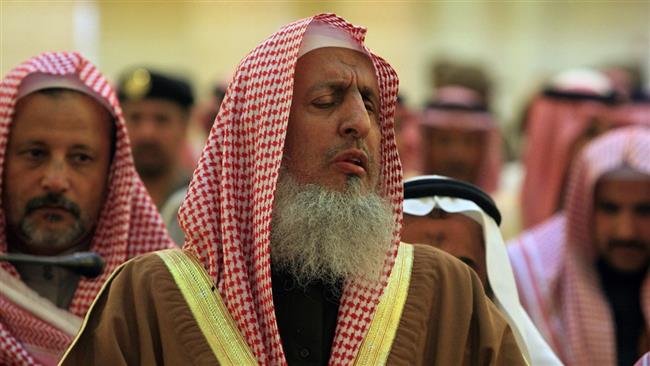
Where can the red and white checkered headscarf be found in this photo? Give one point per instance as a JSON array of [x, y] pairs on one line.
[[552, 128], [468, 120], [644, 360], [227, 212], [590, 330], [554, 263], [129, 223]]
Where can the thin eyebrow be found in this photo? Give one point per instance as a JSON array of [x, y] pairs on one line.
[[81, 147], [34, 142], [329, 85]]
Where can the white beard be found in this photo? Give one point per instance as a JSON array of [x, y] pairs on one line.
[[325, 235]]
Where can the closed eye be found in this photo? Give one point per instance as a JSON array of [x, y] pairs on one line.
[[369, 100], [369, 106], [324, 102]]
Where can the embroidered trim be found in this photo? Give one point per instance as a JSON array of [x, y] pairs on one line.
[[378, 342], [211, 314]]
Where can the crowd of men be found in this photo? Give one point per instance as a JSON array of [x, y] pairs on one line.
[[325, 221]]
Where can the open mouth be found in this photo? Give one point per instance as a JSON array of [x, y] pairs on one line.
[[353, 161], [356, 161]]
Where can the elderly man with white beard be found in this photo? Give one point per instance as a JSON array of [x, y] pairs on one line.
[[292, 223]]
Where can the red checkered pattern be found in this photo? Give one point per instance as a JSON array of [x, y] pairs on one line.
[[227, 212], [552, 128], [129, 224], [554, 263]]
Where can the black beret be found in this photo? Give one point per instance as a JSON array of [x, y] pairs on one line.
[[142, 83]]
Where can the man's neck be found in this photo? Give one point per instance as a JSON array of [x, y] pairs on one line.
[[161, 187], [56, 284], [623, 292], [15, 244]]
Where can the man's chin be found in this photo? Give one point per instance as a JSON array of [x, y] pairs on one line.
[[48, 248], [630, 261], [50, 240]]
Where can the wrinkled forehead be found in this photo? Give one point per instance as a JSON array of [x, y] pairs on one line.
[[331, 66]]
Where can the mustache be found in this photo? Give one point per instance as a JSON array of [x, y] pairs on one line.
[[146, 147], [633, 244], [53, 200]]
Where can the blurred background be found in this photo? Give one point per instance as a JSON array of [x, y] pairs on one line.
[[474, 77], [519, 44]]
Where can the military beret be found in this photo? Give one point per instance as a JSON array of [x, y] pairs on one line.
[[141, 83]]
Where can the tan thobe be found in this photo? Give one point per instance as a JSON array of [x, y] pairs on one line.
[[446, 320]]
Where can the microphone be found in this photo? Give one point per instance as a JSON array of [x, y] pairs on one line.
[[87, 264]]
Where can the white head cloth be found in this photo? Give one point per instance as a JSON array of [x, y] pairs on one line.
[[40, 81], [499, 273], [320, 35]]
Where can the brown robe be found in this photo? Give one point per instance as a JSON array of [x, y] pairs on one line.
[[144, 320]]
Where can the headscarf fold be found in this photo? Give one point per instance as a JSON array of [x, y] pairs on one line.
[[128, 225], [227, 213]]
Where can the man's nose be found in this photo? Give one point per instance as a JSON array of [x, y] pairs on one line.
[[457, 149], [625, 226], [55, 178], [355, 121], [144, 130]]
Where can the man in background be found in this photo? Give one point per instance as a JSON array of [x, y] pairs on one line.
[[157, 111], [459, 218], [68, 186], [574, 108], [293, 222], [583, 274], [459, 137]]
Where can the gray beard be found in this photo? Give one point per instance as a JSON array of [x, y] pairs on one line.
[[322, 235], [41, 238]]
